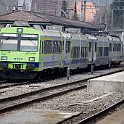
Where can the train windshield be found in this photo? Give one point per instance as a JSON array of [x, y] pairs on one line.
[[8, 42], [29, 42], [19, 42]]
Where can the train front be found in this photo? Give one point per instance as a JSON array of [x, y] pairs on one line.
[[19, 52]]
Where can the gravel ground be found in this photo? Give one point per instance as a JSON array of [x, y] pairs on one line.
[[78, 100]]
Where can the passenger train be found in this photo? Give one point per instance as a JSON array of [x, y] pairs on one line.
[[27, 52]]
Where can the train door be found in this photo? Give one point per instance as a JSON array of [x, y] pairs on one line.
[[41, 54], [66, 49], [92, 51], [56, 52]]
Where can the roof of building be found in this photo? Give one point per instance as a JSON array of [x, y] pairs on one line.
[[39, 18], [22, 16]]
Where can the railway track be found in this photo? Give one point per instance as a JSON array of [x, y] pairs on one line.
[[87, 118], [7, 85], [11, 103], [15, 102]]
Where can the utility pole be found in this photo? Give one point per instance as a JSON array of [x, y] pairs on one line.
[[44, 7], [123, 18], [106, 20], [112, 21]]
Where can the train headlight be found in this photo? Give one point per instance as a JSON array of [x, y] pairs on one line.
[[19, 30], [4, 58], [32, 59]]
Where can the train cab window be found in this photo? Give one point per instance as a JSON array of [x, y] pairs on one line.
[[8, 42], [28, 42], [68, 46]]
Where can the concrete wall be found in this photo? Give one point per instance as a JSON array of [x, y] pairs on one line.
[[106, 84]]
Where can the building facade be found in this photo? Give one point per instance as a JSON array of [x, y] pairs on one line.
[[118, 13], [67, 8], [7, 6]]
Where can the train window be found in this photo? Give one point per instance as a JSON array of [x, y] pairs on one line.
[[56, 46], [28, 45], [62, 45], [110, 47], [8, 44], [119, 47], [67, 46], [89, 46], [73, 52], [28, 42], [47, 47], [95, 47], [106, 51], [76, 52], [42, 46], [100, 51], [83, 52]]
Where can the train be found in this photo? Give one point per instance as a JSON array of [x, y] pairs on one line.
[[28, 52]]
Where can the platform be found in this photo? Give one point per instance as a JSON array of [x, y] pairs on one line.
[[106, 84], [115, 118]]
